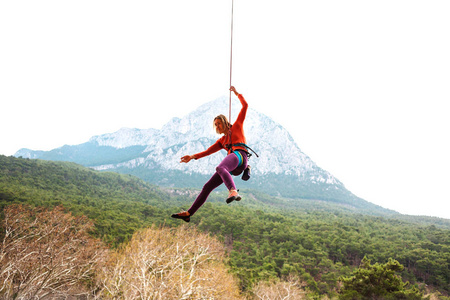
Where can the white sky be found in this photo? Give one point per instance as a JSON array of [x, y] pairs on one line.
[[362, 86]]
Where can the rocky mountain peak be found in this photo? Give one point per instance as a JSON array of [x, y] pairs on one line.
[[154, 154]]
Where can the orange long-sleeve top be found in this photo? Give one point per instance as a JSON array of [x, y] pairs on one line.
[[235, 135]]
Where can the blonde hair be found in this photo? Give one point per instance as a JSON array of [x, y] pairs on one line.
[[224, 121]]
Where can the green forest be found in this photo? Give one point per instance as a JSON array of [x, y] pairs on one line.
[[266, 238]]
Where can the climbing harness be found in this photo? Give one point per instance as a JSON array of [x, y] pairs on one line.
[[230, 147], [240, 158]]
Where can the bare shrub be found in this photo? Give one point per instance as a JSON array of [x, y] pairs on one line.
[[290, 289], [163, 263], [46, 254]]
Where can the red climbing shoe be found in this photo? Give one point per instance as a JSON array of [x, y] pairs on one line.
[[184, 215], [233, 195]]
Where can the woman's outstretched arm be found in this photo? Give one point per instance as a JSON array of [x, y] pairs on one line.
[[241, 117]]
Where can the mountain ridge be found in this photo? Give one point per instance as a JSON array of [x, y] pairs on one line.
[[282, 169]]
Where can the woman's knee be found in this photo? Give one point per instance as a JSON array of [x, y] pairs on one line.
[[220, 169]]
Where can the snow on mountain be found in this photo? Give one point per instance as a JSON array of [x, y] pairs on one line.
[[126, 137], [279, 154]]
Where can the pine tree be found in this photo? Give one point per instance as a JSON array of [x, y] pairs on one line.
[[378, 281]]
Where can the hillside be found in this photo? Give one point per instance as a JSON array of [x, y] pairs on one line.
[[266, 237]]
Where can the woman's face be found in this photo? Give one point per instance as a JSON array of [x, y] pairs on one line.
[[220, 128]]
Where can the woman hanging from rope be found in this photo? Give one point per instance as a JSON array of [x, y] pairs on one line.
[[233, 140]]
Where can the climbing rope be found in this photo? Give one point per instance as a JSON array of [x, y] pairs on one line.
[[231, 55]]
